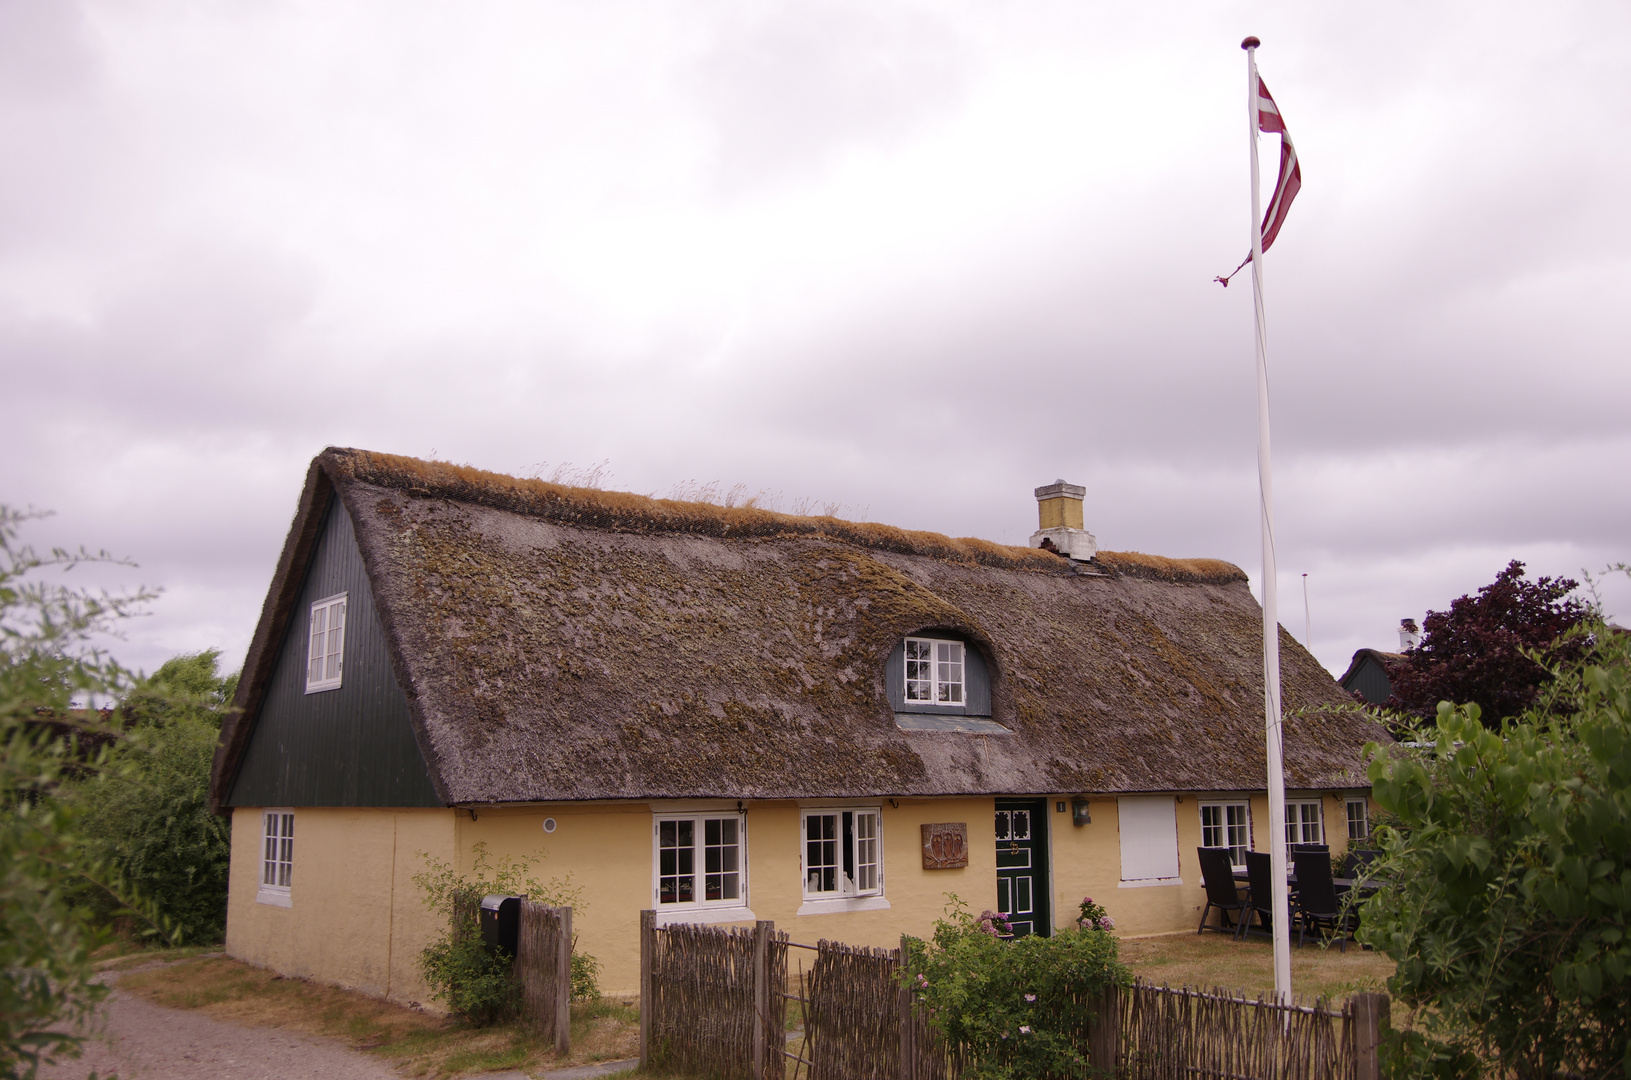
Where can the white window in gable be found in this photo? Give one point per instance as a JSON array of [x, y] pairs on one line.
[[700, 861], [325, 648], [1304, 823], [1227, 825], [934, 671], [843, 853], [277, 857]]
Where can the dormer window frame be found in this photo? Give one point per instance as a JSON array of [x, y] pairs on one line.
[[947, 669]]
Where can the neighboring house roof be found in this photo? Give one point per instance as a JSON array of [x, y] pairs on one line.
[[1367, 674], [560, 643]]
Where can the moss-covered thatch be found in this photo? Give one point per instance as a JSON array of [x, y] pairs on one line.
[[566, 643]]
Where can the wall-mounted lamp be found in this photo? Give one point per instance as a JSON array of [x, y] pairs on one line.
[[1078, 812]]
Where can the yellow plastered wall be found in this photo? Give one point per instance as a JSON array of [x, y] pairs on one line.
[[607, 850], [1087, 862], [356, 918]]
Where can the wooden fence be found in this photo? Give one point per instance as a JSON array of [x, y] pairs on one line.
[[858, 1019], [543, 966], [711, 1001], [1184, 1034]]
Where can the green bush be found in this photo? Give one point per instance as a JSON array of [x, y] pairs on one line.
[[585, 976], [477, 985], [1015, 1008], [46, 664], [1510, 858]]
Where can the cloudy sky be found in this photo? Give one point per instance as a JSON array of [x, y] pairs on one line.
[[913, 259]]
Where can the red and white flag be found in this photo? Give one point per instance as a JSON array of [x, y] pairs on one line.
[[1291, 173]]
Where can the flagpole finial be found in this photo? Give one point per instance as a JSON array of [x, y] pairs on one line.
[[1250, 43]]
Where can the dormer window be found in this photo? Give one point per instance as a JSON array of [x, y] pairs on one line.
[[934, 672]]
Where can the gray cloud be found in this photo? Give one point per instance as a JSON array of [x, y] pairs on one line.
[[911, 259]]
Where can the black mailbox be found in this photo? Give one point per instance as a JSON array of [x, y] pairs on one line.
[[501, 923]]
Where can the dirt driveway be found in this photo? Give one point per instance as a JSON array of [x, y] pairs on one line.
[[143, 1041]]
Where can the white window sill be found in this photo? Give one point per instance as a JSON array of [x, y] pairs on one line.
[[275, 897], [841, 904], [1150, 883], [671, 915]]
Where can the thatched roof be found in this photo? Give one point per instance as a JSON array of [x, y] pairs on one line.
[[561, 643]]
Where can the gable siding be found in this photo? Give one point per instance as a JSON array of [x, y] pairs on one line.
[[1371, 680], [353, 746]]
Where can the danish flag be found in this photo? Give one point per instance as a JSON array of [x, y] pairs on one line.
[[1291, 174]]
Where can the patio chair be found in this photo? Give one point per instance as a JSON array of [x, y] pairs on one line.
[[1357, 861], [1218, 875], [1260, 889], [1317, 904], [1295, 848]]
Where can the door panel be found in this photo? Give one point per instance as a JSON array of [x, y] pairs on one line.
[[1022, 865]]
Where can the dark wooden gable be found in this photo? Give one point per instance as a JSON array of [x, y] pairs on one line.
[[1367, 676], [353, 746]]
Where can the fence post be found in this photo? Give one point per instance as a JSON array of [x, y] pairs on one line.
[[761, 997], [1104, 1036], [563, 985], [1371, 1013], [648, 941], [908, 1032]]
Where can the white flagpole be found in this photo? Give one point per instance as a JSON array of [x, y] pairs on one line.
[[1281, 903]]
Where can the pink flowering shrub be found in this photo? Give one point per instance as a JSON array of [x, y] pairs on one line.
[[1013, 1007], [1094, 917]]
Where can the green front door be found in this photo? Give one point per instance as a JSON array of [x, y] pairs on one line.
[[1022, 865]]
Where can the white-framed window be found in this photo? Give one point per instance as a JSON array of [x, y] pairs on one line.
[[1227, 825], [700, 861], [842, 853], [1358, 820], [1305, 824], [325, 647], [277, 857], [934, 672]]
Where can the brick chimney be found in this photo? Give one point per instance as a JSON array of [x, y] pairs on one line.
[[1059, 521]]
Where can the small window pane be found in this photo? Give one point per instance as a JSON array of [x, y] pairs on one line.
[[1358, 820], [821, 853]]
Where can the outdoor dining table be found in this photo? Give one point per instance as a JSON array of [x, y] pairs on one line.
[[1366, 885]]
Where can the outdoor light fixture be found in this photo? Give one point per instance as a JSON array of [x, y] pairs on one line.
[[1078, 812]]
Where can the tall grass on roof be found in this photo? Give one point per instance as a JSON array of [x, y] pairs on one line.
[[628, 512]]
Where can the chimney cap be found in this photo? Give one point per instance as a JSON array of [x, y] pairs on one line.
[[1059, 489]]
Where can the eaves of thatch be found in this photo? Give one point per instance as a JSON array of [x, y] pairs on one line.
[[559, 643]]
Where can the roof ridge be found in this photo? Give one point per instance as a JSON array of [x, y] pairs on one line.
[[629, 512]]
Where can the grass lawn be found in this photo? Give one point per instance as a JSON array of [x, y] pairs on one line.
[[418, 1043], [1207, 961]]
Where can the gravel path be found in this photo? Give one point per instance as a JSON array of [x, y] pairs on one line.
[[144, 1041]]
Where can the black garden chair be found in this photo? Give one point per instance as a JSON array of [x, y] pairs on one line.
[[1357, 861], [1218, 875], [1317, 903], [1260, 889]]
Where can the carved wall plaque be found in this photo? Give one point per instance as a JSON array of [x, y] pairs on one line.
[[945, 846]]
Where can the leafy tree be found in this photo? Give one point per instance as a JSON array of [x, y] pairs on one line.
[[1509, 855], [47, 660], [1483, 650], [149, 816]]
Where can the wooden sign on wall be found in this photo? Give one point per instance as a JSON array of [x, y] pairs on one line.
[[945, 846]]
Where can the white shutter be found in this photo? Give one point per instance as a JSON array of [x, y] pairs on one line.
[[1149, 837]]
